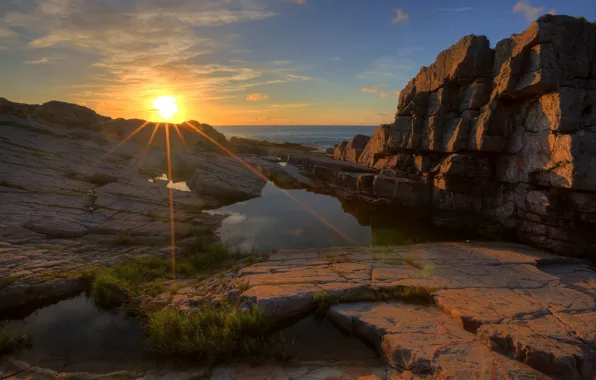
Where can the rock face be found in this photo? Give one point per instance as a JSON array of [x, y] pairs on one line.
[[225, 177], [351, 151], [505, 135]]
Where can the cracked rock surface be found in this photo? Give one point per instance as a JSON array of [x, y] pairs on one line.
[[497, 310]]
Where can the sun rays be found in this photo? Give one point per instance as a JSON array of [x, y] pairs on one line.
[[197, 130]]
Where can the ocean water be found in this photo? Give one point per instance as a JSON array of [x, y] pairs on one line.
[[318, 136]]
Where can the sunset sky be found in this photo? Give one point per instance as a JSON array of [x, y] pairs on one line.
[[242, 62]]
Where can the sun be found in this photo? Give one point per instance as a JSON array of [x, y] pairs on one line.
[[166, 106]]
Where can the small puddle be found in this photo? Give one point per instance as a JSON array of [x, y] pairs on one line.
[[182, 186], [316, 339], [274, 221], [75, 335]]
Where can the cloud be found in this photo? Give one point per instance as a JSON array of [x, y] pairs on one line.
[[462, 9], [289, 105], [337, 58], [142, 48], [371, 90], [38, 62], [530, 13], [299, 2], [389, 94], [6, 33], [256, 97], [409, 51], [401, 16], [281, 62], [389, 67], [301, 77]]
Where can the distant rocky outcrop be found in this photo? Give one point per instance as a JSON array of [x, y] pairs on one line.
[[351, 150], [506, 135]]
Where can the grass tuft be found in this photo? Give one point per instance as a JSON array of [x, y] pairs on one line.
[[408, 294], [113, 286], [124, 239], [212, 335]]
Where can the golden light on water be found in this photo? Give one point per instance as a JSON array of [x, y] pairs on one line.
[[166, 107]]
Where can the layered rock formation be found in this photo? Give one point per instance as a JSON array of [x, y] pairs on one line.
[[506, 135]]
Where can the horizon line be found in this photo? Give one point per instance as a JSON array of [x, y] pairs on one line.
[[294, 125]]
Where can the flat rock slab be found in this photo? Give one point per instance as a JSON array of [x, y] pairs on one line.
[[540, 344], [423, 342], [473, 285]]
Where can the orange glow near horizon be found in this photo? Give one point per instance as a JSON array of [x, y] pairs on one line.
[[166, 107]]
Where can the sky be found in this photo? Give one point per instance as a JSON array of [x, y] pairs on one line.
[[243, 62]]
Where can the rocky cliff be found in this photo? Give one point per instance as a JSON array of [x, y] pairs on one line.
[[507, 135]]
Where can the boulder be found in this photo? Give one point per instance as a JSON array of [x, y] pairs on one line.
[[224, 177], [354, 148]]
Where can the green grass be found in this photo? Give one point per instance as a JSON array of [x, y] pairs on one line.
[[407, 294], [124, 239], [113, 286], [10, 341], [212, 335], [6, 282]]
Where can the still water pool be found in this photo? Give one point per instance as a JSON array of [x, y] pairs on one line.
[[75, 335], [275, 221]]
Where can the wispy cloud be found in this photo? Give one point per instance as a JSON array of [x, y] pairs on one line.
[[301, 77], [389, 94], [142, 48], [401, 16], [38, 61], [409, 51], [337, 58], [462, 9], [289, 105], [389, 67], [299, 2], [256, 97], [372, 90], [530, 12], [281, 62]]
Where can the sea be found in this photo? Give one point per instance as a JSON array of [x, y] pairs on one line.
[[323, 136]]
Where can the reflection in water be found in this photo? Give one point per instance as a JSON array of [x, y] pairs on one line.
[[74, 335], [314, 338], [273, 221], [173, 185]]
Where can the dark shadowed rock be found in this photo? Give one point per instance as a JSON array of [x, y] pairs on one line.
[[224, 177], [69, 115], [507, 134]]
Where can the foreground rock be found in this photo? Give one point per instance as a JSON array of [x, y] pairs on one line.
[[72, 195], [305, 371], [504, 136], [482, 310]]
